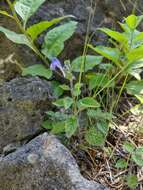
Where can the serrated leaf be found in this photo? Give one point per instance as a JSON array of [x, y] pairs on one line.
[[55, 38], [37, 70], [132, 181], [112, 54], [103, 127], [121, 164], [90, 61], [57, 91], [64, 102], [58, 127], [127, 146], [35, 30], [71, 125], [95, 137], [137, 156], [59, 116], [26, 8], [14, 37], [88, 102], [135, 87]]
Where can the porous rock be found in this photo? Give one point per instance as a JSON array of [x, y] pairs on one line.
[[22, 103], [42, 164]]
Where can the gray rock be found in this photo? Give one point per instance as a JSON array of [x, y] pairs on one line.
[[42, 164], [22, 103]]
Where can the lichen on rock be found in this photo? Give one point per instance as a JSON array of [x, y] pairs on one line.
[[22, 104]]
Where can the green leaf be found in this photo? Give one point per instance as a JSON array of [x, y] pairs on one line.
[[47, 124], [135, 87], [26, 8], [135, 68], [103, 127], [14, 37], [106, 66], [140, 98], [133, 21], [77, 89], [125, 27], [135, 54], [65, 87], [99, 115], [99, 80], [119, 37], [37, 70], [127, 146], [59, 116], [57, 91], [121, 164], [94, 137], [90, 61], [137, 156], [71, 125], [88, 102], [6, 14], [112, 54], [35, 30], [55, 38], [137, 39], [132, 181], [64, 102], [58, 127]]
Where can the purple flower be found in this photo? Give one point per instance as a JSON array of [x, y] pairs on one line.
[[56, 64]]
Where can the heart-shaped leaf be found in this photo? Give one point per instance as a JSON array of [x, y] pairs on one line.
[[37, 70], [88, 102], [64, 102], [71, 125]]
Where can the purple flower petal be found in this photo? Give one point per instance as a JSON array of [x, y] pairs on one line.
[[56, 64]]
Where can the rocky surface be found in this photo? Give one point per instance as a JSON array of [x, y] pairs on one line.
[[42, 164], [22, 103]]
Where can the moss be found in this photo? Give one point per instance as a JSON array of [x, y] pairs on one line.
[[25, 105]]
